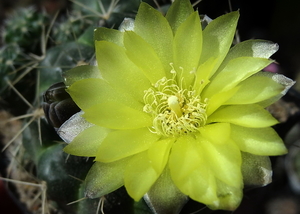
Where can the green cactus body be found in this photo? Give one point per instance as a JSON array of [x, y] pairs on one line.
[[23, 25], [10, 58]]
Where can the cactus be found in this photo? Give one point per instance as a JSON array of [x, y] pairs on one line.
[[10, 57], [37, 50], [23, 25]]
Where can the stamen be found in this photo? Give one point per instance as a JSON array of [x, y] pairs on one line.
[[176, 111]]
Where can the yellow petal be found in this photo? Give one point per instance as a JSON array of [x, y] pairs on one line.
[[139, 176], [203, 74], [219, 99], [144, 56], [184, 158], [87, 142], [153, 27], [287, 83], [255, 89], [189, 170], [115, 115], [200, 185], [119, 71], [224, 160], [217, 38], [89, 92], [187, 46], [178, 12], [107, 34], [245, 115], [251, 48], [79, 73], [258, 141], [229, 197], [120, 144], [158, 153], [209, 132], [233, 73]]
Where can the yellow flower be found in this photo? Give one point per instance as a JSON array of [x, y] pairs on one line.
[[175, 112]]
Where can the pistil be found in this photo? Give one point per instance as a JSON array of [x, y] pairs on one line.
[[174, 105]]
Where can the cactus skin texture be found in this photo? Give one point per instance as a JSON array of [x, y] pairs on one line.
[[23, 25], [9, 58]]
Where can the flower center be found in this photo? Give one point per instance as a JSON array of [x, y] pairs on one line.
[[176, 111]]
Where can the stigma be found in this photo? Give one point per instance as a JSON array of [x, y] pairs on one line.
[[174, 105]]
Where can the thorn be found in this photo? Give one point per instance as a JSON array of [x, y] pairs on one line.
[[74, 202]]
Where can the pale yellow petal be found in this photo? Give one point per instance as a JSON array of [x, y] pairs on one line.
[[80, 73], [184, 158], [219, 99], [245, 115], [258, 141], [187, 46], [144, 56], [87, 142], [153, 27], [124, 143], [139, 176], [190, 170], [200, 186], [229, 197], [224, 160], [287, 83], [158, 153], [178, 13], [233, 73], [203, 74], [222, 130], [256, 88], [89, 92], [120, 72], [251, 48], [107, 34], [115, 115], [217, 38]]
